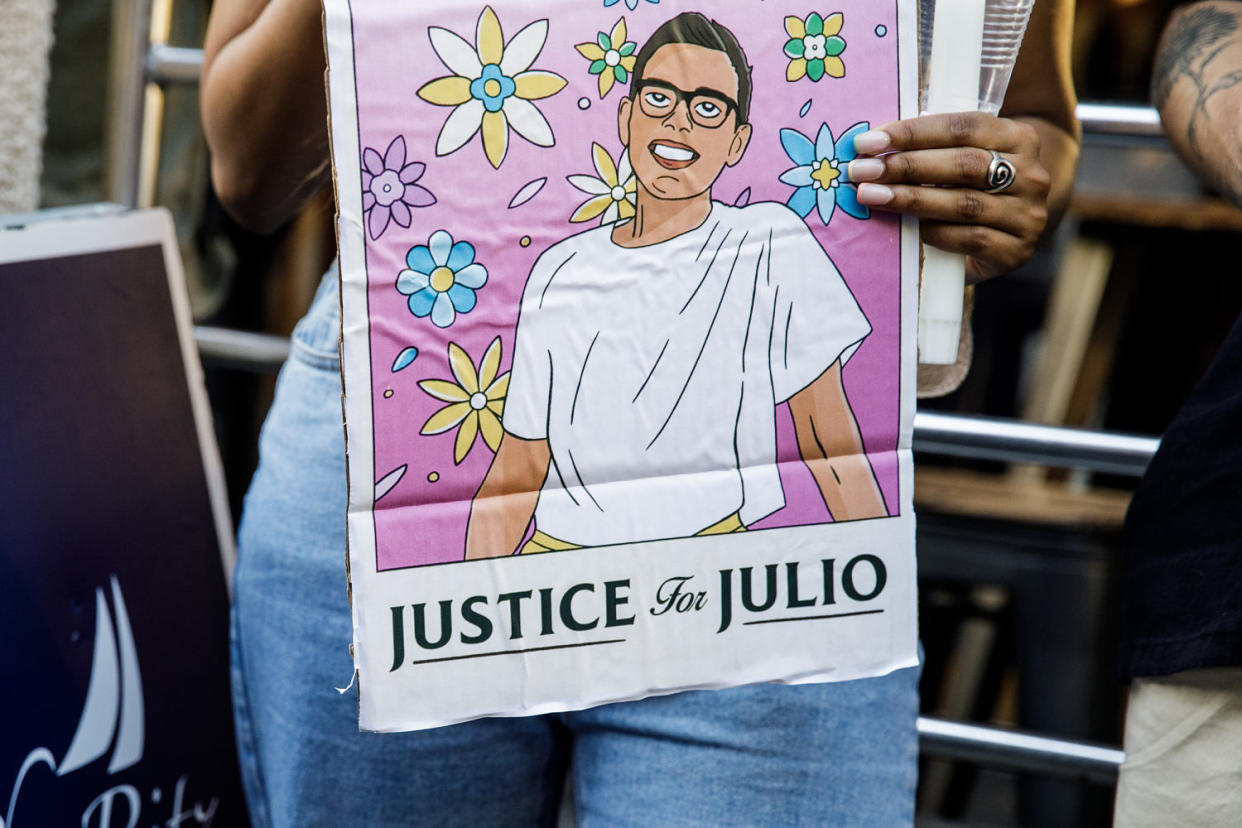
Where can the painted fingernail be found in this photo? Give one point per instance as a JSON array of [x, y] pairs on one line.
[[874, 195], [865, 169], [869, 143]]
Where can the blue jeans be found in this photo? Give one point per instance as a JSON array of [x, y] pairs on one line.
[[769, 755]]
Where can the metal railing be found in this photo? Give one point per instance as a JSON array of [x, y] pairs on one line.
[[137, 63]]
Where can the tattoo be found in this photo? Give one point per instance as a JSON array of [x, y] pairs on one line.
[[1192, 42]]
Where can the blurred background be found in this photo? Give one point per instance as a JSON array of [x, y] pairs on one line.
[[1019, 562]]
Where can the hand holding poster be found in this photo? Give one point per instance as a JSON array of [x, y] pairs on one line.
[[628, 368]]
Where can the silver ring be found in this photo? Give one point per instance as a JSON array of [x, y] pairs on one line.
[[1001, 174]]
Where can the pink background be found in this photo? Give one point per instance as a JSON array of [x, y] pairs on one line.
[[422, 522]]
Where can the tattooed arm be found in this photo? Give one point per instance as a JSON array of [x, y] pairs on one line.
[[1197, 86]]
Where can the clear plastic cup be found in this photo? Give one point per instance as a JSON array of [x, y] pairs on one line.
[[967, 50], [1004, 24]]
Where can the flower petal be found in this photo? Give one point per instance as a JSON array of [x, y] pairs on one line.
[[421, 303], [443, 313], [489, 424], [825, 146], [832, 23], [444, 390], [417, 196], [826, 202], [629, 62], [802, 201], [463, 298], [419, 260], [400, 213], [489, 365], [463, 368], [814, 24], [815, 69], [410, 282], [378, 222], [612, 214], [796, 70], [455, 53], [795, 47], [525, 46], [440, 245], [489, 38], [603, 165], [466, 435], [368, 201], [591, 209], [626, 208], [373, 161], [845, 144], [528, 121], [625, 171], [446, 418], [798, 176], [847, 200], [538, 84], [589, 184], [835, 67], [472, 276], [835, 46], [499, 389], [460, 127], [495, 137], [618, 34], [797, 146], [461, 255], [606, 82], [449, 91], [795, 27], [394, 157], [590, 51], [412, 172]]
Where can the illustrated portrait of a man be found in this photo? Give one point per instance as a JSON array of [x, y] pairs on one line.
[[652, 354]]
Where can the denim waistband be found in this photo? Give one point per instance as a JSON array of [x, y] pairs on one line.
[[316, 339]]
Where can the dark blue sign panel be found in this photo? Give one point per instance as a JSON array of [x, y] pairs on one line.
[[113, 651]]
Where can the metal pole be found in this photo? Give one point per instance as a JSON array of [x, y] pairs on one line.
[[1120, 120], [131, 29], [173, 64], [241, 350], [1013, 441], [1016, 750]]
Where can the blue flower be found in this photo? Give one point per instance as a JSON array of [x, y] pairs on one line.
[[632, 4], [492, 88], [822, 172], [442, 279]]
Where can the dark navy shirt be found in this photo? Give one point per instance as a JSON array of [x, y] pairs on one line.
[[1182, 590]]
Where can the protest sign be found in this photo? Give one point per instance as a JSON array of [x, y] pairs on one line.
[[629, 371]]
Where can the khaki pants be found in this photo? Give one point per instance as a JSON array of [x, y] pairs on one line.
[[1183, 766]]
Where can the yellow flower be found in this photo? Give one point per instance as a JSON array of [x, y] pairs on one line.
[[814, 47], [491, 87], [475, 401], [612, 57], [614, 193]]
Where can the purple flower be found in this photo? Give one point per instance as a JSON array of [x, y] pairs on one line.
[[389, 187]]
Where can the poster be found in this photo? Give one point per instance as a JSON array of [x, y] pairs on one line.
[[628, 369], [115, 538]]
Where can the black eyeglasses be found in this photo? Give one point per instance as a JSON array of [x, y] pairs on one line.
[[707, 107]]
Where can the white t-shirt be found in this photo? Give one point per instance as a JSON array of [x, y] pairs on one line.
[[654, 373]]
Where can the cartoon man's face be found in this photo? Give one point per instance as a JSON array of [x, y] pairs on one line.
[[681, 123]]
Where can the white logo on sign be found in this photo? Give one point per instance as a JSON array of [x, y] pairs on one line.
[[114, 715]]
